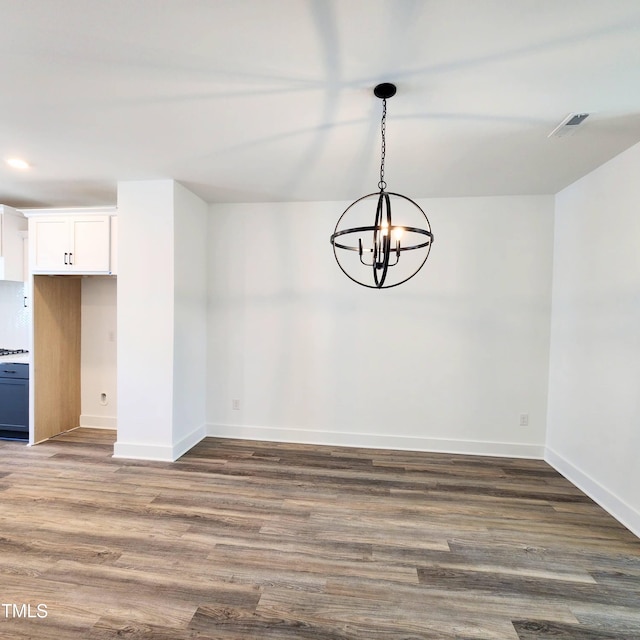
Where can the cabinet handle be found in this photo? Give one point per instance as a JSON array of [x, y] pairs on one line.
[[71, 258], [10, 371], [65, 257]]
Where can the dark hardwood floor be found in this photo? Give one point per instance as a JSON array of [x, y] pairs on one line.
[[243, 540]]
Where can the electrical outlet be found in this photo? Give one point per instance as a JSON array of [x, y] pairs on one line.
[[235, 404], [524, 419]]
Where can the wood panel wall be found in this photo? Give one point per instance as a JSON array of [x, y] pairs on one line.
[[56, 325]]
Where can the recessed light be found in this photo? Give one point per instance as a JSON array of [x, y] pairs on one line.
[[18, 163]]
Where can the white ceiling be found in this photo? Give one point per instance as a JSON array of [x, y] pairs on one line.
[[266, 100]]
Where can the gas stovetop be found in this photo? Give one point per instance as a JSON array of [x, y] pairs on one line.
[[12, 352]]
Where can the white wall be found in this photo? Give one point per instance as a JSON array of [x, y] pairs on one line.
[[594, 408], [190, 318], [161, 310], [98, 352], [145, 304], [14, 317], [446, 362]]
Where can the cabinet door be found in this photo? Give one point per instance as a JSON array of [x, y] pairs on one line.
[[14, 400], [114, 245], [90, 248], [13, 227], [49, 244]]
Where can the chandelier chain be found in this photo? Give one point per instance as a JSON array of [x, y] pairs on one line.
[[382, 185]]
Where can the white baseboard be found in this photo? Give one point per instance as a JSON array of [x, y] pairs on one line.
[[619, 509], [136, 451], [160, 453], [189, 441], [377, 441], [98, 422]]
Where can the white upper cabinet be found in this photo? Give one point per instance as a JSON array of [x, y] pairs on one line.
[[114, 245], [73, 243], [13, 226]]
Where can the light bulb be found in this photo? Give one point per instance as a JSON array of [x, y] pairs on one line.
[[397, 232]]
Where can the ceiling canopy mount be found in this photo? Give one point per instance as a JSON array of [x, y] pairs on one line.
[[385, 90]]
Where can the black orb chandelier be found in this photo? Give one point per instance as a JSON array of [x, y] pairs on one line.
[[374, 261]]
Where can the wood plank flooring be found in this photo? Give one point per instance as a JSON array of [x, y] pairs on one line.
[[243, 540]]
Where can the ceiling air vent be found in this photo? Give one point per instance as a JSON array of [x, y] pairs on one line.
[[569, 125]]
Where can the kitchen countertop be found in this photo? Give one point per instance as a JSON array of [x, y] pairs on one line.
[[16, 358]]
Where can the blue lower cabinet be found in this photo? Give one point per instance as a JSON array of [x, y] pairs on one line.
[[14, 401]]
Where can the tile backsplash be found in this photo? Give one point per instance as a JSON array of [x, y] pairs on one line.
[[14, 317]]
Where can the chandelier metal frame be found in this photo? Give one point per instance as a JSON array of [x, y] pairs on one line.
[[381, 251]]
